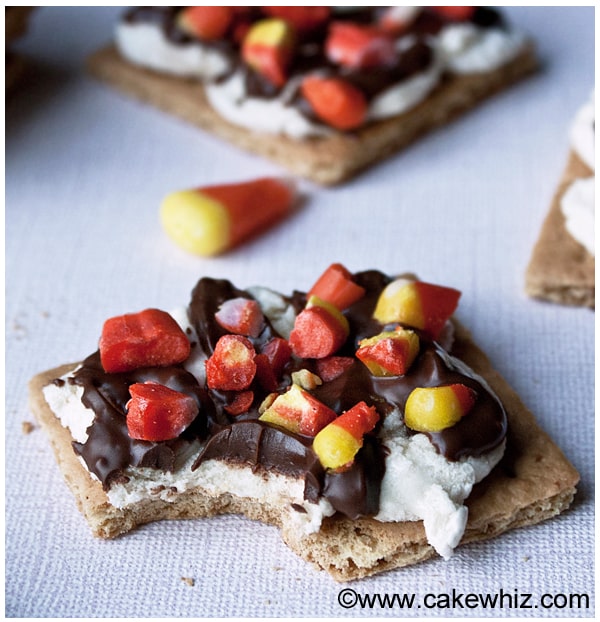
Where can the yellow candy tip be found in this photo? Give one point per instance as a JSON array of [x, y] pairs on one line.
[[195, 222]]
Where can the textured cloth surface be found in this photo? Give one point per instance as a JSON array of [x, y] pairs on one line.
[[86, 170]]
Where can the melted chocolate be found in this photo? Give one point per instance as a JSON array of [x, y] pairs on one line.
[[257, 444], [109, 449], [309, 53], [245, 440]]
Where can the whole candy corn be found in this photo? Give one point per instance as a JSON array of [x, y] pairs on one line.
[[337, 443], [418, 304], [432, 409], [212, 219]]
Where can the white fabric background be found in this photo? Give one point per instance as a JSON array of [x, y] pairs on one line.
[[86, 169]]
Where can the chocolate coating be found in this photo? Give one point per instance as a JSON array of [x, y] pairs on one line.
[[243, 439]]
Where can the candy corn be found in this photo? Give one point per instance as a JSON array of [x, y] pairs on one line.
[[432, 409], [417, 304], [319, 331], [148, 338], [231, 366], [268, 49], [389, 353], [337, 443], [298, 411], [157, 413], [212, 219], [206, 22], [335, 101], [336, 286]]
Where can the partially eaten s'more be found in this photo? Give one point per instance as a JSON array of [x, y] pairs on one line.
[[563, 262], [359, 417], [323, 91]]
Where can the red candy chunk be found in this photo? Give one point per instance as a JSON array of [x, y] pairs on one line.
[[335, 101], [240, 403], [157, 413], [279, 353], [438, 303], [320, 330], [241, 316], [455, 13], [359, 47], [231, 366], [264, 373], [206, 22], [150, 338], [336, 286], [304, 18], [332, 367]]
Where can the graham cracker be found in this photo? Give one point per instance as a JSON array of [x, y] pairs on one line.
[[561, 269], [532, 483], [326, 160]]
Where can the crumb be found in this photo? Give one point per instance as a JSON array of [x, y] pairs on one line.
[[27, 427], [526, 558], [191, 582], [277, 568], [45, 314]]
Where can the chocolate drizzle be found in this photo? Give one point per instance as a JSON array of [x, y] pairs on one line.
[[309, 50], [109, 451]]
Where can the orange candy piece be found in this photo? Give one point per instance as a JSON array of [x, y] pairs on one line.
[[206, 22], [336, 286], [335, 101], [212, 219], [338, 443]]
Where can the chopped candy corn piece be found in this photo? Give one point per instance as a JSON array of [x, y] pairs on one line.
[[332, 367], [278, 351], [359, 47], [241, 402], [337, 443], [336, 286], [431, 409], [303, 18], [391, 353], [206, 22], [335, 101], [213, 219], [457, 13], [268, 48], [242, 316], [150, 338], [298, 411], [264, 372], [231, 367], [320, 330], [418, 304], [157, 413]]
